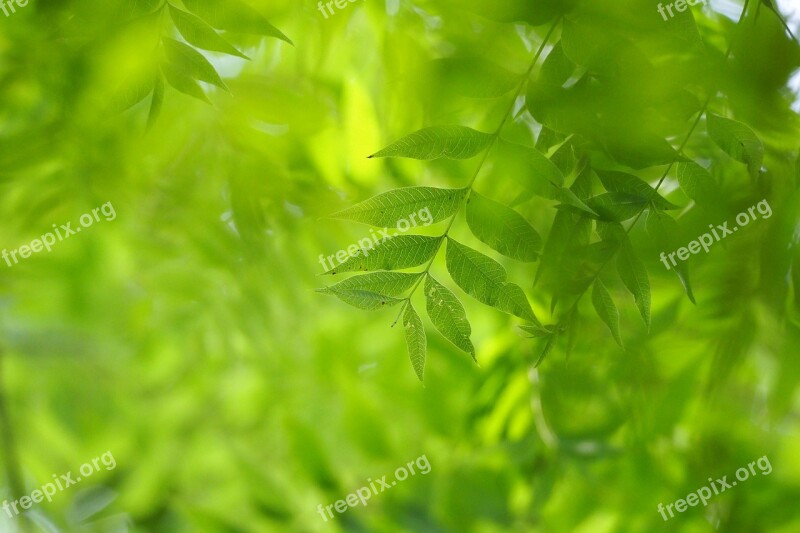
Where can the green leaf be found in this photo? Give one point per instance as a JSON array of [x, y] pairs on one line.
[[538, 332], [388, 283], [697, 183], [448, 315], [387, 209], [548, 347], [606, 309], [402, 251], [183, 83], [634, 276], [415, 340], [567, 231], [617, 206], [366, 300], [484, 279], [630, 184], [200, 34], [191, 63], [665, 232], [557, 67], [738, 141], [133, 91], [156, 101], [474, 77], [540, 169], [502, 228], [568, 198], [233, 15], [451, 142]]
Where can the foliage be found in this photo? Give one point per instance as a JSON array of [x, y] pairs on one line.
[[560, 147]]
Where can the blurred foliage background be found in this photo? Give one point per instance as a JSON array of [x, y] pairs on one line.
[[185, 337]]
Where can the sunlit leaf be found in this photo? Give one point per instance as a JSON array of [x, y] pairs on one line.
[[451, 142], [366, 300], [200, 34], [191, 63], [233, 15], [502, 228], [448, 315], [395, 253], [606, 309], [387, 209], [183, 83], [484, 279], [388, 283], [415, 340]]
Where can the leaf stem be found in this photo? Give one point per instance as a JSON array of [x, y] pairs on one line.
[[495, 135]]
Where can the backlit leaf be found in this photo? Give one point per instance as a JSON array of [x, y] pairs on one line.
[[396, 253], [200, 34], [738, 141], [502, 228], [448, 315], [415, 340], [484, 279], [233, 15], [388, 283], [634, 276], [387, 209], [606, 309], [450, 142], [366, 300], [191, 63]]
